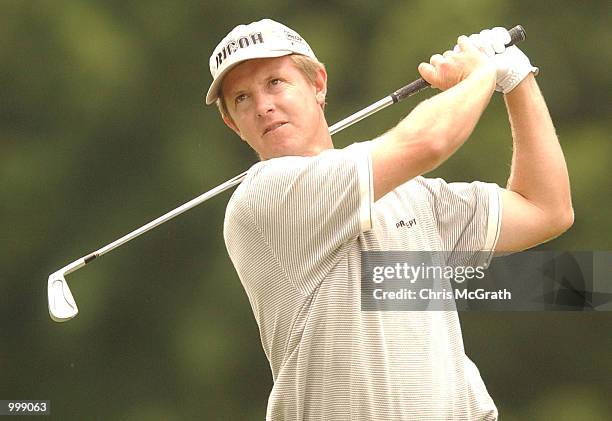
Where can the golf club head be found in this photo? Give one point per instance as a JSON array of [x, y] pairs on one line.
[[62, 306]]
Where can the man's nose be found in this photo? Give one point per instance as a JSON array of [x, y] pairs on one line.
[[263, 105]]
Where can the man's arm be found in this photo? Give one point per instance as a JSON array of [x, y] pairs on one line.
[[437, 127], [536, 205]]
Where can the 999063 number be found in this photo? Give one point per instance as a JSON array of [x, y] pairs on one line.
[[24, 407]]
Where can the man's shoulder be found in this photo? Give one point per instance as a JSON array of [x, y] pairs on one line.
[[262, 180], [435, 186], [421, 185], [279, 179], [281, 171]]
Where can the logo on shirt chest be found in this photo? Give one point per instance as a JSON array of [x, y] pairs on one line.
[[406, 224]]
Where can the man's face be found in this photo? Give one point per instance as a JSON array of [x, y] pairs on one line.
[[275, 109]]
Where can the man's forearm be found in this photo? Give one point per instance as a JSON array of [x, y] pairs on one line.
[[538, 172], [431, 133], [448, 118]]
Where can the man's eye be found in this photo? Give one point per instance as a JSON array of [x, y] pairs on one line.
[[275, 81], [240, 98]]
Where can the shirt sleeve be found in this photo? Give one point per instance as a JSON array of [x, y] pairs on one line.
[[468, 219], [303, 209]]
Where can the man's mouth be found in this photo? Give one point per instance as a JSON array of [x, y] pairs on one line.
[[273, 126]]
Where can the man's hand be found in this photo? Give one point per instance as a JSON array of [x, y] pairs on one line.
[[446, 70], [512, 64]]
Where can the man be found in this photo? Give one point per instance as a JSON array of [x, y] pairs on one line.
[[295, 228]]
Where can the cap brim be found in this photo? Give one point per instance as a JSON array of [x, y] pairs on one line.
[[213, 91]]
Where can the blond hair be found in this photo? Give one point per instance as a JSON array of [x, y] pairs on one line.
[[306, 65]]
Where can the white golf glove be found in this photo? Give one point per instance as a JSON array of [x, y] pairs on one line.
[[512, 64]]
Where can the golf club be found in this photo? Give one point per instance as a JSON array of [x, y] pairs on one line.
[[62, 306]]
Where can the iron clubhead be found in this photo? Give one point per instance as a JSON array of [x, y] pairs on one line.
[[62, 306]]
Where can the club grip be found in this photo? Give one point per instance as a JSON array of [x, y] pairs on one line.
[[517, 34]]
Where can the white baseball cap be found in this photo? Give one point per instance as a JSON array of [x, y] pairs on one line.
[[262, 39]]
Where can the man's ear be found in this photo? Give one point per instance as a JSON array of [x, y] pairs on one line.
[[230, 123], [321, 86]]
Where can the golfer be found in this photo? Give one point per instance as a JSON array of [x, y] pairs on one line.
[[296, 226]]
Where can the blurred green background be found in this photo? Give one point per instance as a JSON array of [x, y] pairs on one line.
[[103, 128]]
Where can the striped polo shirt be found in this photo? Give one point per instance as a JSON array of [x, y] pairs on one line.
[[295, 229]]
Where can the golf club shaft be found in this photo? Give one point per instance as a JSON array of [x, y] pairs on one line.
[[517, 34]]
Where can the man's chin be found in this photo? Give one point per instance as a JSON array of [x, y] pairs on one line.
[[285, 147]]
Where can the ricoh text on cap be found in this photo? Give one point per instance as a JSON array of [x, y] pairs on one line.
[[262, 39]]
